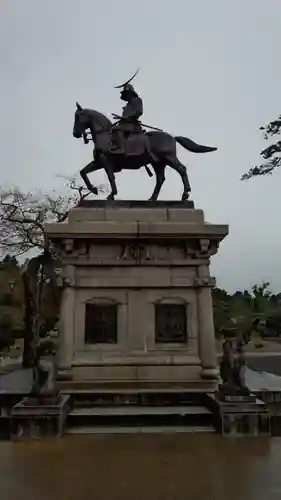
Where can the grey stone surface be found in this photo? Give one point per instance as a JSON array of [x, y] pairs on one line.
[[262, 381], [137, 254], [36, 419], [234, 419], [16, 382], [183, 205]]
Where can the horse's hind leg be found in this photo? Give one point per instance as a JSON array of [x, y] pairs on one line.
[[91, 167], [109, 169], [174, 163], [111, 178], [159, 169]]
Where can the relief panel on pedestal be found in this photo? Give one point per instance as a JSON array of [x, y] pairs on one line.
[[137, 251], [170, 323], [171, 320], [101, 323], [100, 320]]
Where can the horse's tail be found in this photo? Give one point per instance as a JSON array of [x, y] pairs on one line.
[[192, 146]]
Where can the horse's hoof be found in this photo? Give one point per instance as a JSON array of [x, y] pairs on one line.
[[185, 196], [95, 191], [110, 196]]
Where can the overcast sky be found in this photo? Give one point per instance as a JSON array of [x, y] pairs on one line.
[[210, 70]]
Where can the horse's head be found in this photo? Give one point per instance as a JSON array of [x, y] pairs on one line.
[[89, 118], [81, 121]]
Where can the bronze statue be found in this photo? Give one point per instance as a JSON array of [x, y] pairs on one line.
[[44, 370], [126, 146], [129, 121], [232, 368]]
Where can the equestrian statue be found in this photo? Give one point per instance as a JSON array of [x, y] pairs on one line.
[[125, 145]]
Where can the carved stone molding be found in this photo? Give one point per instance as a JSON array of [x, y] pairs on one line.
[[204, 245], [205, 281], [82, 249], [71, 248], [65, 276], [136, 251], [208, 247], [68, 245], [191, 252], [202, 248]]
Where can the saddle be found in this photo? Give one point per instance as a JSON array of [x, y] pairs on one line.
[[135, 143]]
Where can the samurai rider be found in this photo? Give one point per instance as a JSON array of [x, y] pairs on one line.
[[128, 123]]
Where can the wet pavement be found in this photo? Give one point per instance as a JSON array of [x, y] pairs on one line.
[[18, 381], [135, 467]]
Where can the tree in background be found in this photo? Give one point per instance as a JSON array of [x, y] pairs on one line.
[[221, 301], [256, 313], [23, 216], [6, 338], [271, 154], [261, 298], [10, 260]]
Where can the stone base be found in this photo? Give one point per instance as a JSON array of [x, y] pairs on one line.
[[209, 373], [91, 388], [165, 368], [36, 419], [241, 396], [144, 268], [240, 415], [145, 367]]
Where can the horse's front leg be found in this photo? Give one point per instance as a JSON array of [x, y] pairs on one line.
[[91, 167]]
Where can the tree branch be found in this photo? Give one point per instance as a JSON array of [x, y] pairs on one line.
[[23, 215], [272, 154]]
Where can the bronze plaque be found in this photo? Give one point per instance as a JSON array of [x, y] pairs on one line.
[[101, 324], [170, 323]]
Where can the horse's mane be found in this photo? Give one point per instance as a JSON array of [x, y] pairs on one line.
[[99, 118]]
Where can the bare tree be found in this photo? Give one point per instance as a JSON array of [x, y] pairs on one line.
[[271, 154], [23, 216]]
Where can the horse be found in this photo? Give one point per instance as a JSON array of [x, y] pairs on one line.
[[160, 151]]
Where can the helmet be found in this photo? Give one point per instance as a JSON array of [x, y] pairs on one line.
[[127, 86]]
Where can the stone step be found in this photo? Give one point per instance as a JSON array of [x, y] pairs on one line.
[[139, 410], [139, 429], [135, 387], [137, 400], [139, 416]]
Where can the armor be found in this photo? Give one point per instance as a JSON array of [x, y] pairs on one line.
[[131, 114], [132, 111]]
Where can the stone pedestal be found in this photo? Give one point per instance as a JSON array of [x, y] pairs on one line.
[[137, 304], [33, 418], [240, 415]]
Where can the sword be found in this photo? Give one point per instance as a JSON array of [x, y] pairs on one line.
[[149, 126], [137, 121]]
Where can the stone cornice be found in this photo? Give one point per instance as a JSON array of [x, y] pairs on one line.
[[152, 230]]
